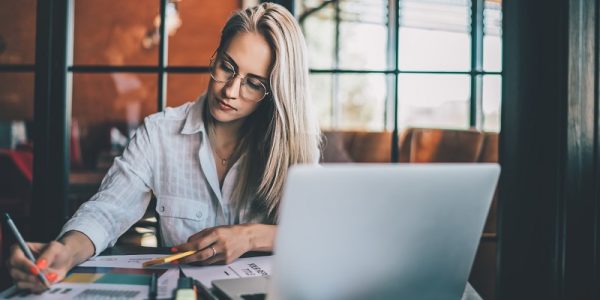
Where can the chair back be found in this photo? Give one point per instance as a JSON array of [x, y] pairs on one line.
[[429, 145]]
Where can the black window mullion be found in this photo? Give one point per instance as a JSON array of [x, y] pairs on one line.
[[162, 57], [52, 110], [476, 101], [16, 68], [335, 107], [393, 57]]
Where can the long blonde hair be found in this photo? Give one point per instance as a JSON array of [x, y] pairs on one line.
[[282, 131]]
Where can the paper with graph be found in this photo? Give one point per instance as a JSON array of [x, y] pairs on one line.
[[122, 277]]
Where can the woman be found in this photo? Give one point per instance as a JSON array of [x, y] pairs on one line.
[[216, 166]]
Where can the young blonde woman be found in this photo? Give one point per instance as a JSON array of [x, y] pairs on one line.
[[216, 166]]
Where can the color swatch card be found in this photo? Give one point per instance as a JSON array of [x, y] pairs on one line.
[[78, 291]]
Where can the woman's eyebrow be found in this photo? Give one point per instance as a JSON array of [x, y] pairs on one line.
[[235, 65]]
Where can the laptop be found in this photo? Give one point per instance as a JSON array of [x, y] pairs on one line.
[[375, 231]]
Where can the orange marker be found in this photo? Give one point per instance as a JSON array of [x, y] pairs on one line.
[[168, 259]]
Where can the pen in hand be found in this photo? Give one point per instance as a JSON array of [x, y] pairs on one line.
[[24, 247]]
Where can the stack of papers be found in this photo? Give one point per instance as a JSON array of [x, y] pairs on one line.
[[123, 277]]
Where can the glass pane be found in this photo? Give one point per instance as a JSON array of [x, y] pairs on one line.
[[363, 34], [434, 35], [439, 101], [17, 31], [492, 36], [319, 31], [16, 110], [16, 145], [16, 96], [195, 28], [362, 101], [106, 109], [492, 95], [321, 93], [115, 32], [182, 88]]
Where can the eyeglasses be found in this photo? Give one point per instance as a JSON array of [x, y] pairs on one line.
[[251, 88]]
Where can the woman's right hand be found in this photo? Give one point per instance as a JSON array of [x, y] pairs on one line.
[[54, 259]]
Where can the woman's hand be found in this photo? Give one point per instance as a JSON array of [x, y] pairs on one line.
[[54, 259], [224, 244]]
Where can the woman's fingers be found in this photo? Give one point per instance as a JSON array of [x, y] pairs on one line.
[[19, 261], [26, 285], [25, 280], [216, 253], [201, 255], [230, 242], [199, 241], [36, 248], [53, 260], [23, 271], [215, 259], [201, 234], [203, 240], [19, 275], [51, 256]]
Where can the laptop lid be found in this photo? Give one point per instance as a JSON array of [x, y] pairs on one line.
[[373, 231]]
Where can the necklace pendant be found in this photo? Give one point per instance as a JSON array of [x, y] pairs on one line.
[[223, 162]]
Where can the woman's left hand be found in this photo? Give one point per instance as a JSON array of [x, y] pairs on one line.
[[222, 244]]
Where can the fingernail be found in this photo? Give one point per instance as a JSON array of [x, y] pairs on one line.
[[51, 276], [41, 263], [173, 249], [34, 271]]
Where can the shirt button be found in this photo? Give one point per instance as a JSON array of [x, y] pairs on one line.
[[199, 214], [162, 208]]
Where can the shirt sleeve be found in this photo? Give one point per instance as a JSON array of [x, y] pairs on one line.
[[123, 196]]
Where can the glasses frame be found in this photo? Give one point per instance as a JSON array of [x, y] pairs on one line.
[[235, 74]]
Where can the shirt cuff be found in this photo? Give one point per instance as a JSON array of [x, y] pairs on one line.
[[92, 229]]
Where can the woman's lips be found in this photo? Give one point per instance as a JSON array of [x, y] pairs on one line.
[[225, 107]]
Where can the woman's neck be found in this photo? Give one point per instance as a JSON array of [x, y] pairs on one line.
[[226, 135]]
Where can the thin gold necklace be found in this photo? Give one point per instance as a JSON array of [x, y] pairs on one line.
[[223, 160]]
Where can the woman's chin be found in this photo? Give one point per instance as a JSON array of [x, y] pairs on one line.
[[221, 116]]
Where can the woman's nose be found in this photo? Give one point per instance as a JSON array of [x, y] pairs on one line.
[[232, 88]]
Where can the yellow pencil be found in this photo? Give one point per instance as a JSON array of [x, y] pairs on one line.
[[167, 259]]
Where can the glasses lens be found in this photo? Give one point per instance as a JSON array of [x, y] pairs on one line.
[[221, 71], [253, 89]]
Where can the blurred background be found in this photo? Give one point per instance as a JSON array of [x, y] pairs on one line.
[[392, 80]]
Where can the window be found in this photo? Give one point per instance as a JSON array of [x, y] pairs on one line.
[[17, 66], [121, 74], [440, 67]]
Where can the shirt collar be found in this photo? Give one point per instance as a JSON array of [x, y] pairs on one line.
[[194, 122]]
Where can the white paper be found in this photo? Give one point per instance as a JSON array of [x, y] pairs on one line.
[[241, 268], [166, 283], [123, 261]]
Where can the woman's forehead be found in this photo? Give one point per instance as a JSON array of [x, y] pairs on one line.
[[251, 53]]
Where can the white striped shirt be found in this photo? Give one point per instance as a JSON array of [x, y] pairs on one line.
[[170, 156]]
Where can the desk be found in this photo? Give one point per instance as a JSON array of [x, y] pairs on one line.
[[140, 290], [115, 273]]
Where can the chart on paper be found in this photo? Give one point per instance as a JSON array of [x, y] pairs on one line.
[[81, 291]]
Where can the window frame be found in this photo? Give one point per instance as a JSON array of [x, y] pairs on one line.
[[476, 72]]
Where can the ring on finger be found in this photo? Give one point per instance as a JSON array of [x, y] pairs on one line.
[[214, 251]]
